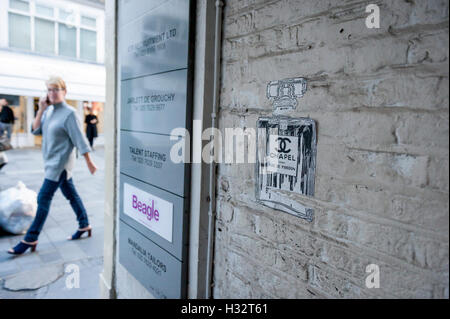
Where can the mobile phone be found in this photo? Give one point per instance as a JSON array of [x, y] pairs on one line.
[[47, 100]]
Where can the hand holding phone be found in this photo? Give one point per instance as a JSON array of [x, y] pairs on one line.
[[44, 102]]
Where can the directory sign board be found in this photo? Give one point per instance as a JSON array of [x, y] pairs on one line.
[[155, 51]]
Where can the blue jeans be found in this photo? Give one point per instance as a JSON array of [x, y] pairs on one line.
[[44, 200], [6, 127]]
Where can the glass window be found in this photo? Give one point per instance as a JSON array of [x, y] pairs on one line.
[[63, 14], [67, 40], [44, 36], [89, 22], [88, 45], [76, 38], [44, 10], [67, 16], [19, 31], [19, 5]]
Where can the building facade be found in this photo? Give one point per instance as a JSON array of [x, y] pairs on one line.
[[377, 91], [43, 38]]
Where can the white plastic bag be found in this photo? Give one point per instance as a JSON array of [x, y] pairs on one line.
[[17, 208], [3, 158]]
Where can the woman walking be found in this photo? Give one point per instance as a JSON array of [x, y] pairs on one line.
[[61, 132], [91, 126]]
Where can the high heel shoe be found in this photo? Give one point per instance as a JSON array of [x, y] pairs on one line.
[[80, 232], [21, 247]]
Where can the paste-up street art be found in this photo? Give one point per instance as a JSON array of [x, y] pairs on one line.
[[286, 152]]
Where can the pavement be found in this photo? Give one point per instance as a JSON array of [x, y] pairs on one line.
[[59, 268]]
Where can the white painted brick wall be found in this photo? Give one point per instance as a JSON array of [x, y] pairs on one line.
[[380, 99]]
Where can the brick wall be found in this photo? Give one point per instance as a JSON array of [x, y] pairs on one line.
[[380, 101]]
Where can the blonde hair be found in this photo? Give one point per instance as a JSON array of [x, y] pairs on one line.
[[57, 81]]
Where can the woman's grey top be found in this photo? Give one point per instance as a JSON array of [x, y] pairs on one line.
[[61, 132]]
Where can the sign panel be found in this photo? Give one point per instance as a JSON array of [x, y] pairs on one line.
[[151, 211], [161, 273], [154, 104], [147, 157], [130, 10], [156, 42]]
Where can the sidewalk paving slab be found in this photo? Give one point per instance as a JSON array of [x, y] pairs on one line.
[[54, 251]]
